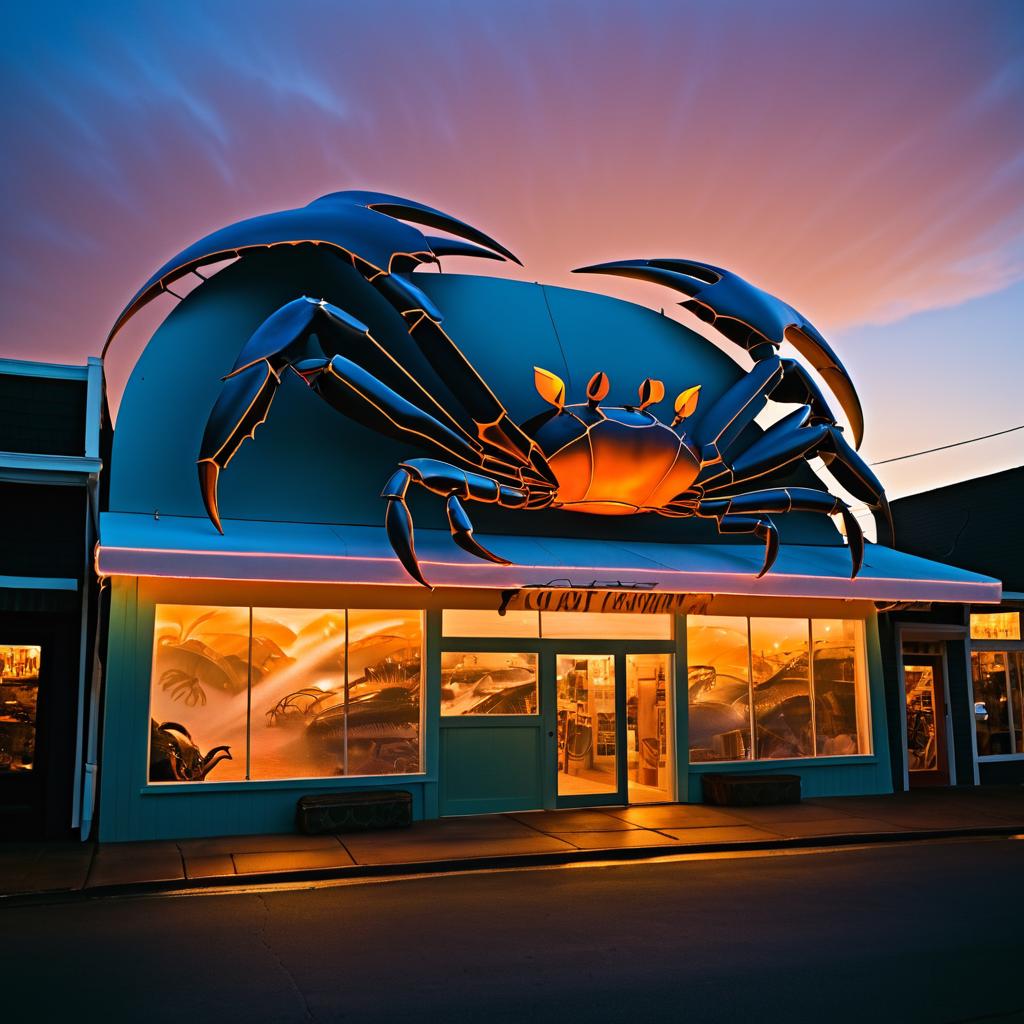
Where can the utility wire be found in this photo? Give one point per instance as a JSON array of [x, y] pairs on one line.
[[942, 448]]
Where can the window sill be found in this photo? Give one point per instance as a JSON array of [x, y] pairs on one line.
[[996, 758], [242, 786], [790, 762]]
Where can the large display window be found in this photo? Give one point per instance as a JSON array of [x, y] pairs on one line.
[[284, 693], [774, 688], [998, 678]]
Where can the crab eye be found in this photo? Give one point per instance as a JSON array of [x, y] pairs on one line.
[[686, 402], [598, 387], [651, 391], [549, 386]]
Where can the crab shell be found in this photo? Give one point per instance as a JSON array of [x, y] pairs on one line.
[[615, 461]]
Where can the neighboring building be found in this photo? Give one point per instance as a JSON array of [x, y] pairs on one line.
[[294, 655], [53, 431], [968, 659]]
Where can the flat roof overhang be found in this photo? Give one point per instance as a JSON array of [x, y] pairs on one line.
[[190, 548]]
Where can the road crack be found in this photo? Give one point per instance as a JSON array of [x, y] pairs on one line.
[[280, 962]]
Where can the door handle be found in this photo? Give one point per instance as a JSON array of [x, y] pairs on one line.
[[550, 734]]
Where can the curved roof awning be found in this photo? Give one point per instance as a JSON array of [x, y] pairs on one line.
[[190, 548]]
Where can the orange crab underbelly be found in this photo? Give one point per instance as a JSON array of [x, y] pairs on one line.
[[622, 472]]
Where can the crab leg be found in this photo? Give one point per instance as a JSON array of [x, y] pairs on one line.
[[753, 509], [289, 340], [795, 437], [496, 430], [456, 485]]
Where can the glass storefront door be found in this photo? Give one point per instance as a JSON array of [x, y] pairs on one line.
[[649, 742], [926, 719], [587, 726]]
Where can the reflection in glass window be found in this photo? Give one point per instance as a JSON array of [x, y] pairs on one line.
[[995, 626], [481, 622], [719, 687], [199, 693], [604, 626], [298, 673], [385, 684], [998, 682], [488, 684], [19, 698], [332, 693], [781, 687], [840, 687], [732, 659]]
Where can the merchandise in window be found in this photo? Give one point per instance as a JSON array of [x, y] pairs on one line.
[[773, 688], [995, 626], [488, 684], [19, 699], [998, 697], [281, 693]]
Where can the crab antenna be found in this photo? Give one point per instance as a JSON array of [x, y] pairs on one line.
[[651, 391], [597, 389], [686, 402], [549, 386]]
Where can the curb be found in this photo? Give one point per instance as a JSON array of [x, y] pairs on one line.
[[469, 865]]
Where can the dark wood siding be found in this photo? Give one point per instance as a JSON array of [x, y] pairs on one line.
[[42, 530], [41, 415], [975, 525]]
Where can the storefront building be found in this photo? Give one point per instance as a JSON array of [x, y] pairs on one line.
[[614, 659], [53, 437], [973, 653]]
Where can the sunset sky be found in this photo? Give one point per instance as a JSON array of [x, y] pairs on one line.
[[863, 161]]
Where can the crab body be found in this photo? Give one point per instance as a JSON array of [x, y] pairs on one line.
[[616, 461], [583, 458]]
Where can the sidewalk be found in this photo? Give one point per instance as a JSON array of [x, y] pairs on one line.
[[536, 837]]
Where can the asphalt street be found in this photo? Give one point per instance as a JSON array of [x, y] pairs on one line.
[[910, 932]]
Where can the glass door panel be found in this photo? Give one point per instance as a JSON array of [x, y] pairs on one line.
[[649, 764], [922, 748], [587, 725]]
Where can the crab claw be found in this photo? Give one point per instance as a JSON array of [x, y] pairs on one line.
[[417, 213], [286, 338], [746, 315], [242, 406], [373, 229]]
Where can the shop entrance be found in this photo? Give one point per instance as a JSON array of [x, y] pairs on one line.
[[927, 754], [612, 735], [555, 710]]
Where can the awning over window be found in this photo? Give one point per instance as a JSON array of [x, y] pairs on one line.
[[137, 545]]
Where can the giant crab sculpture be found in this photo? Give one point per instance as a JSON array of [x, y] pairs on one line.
[[578, 457]]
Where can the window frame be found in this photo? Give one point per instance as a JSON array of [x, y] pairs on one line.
[[865, 729], [1004, 647], [287, 782]]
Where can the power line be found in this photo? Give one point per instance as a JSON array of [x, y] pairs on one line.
[[942, 448]]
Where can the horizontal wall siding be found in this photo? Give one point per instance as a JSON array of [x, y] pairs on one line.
[[816, 779]]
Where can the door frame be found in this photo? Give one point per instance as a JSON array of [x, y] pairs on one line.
[[941, 634], [549, 702], [546, 649]]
